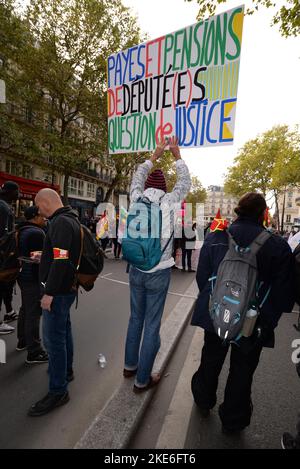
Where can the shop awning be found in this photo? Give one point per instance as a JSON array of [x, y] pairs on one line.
[[28, 187]]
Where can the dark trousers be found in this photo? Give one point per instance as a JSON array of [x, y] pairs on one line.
[[236, 409], [104, 243], [117, 247], [29, 316], [57, 335], [187, 253], [6, 294]]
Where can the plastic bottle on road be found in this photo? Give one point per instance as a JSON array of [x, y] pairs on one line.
[[102, 360]]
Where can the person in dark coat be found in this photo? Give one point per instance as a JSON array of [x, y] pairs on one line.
[[275, 272], [9, 193], [188, 244], [31, 242], [57, 280]]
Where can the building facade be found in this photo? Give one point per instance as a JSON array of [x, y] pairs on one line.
[[217, 199], [86, 189], [289, 208]]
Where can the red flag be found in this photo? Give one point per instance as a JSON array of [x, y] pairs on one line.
[[218, 223]]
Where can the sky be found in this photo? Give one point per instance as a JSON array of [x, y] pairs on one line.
[[268, 92]]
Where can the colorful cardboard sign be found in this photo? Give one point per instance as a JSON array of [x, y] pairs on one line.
[[184, 84]]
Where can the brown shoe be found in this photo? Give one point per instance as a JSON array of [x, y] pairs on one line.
[[129, 373], [154, 380]]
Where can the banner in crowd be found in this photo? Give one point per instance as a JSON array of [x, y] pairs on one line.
[[184, 83]]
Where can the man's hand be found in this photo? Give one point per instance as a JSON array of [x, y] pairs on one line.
[[174, 148], [46, 302], [159, 150]]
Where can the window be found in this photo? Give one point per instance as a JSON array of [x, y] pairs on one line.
[[72, 186], [80, 188], [27, 171], [12, 167], [288, 218], [76, 187], [289, 205], [91, 190], [48, 177]]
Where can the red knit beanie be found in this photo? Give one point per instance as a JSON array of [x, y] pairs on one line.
[[156, 180]]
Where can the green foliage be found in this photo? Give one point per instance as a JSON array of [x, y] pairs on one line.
[[287, 16], [55, 71], [269, 162]]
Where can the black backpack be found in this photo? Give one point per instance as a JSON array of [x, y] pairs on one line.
[[90, 262], [10, 265]]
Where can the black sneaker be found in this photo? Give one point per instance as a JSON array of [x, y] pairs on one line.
[[48, 403], [21, 346], [231, 431], [289, 442], [37, 358], [10, 317], [205, 413], [70, 376]]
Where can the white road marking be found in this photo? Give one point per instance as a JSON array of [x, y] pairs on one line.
[[104, 277]]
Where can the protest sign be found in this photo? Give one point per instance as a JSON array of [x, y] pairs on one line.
[[184, 83]]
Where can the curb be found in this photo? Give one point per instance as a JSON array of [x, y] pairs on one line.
[[116, 423]]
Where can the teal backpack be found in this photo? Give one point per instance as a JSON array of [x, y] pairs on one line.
[[141, 246]]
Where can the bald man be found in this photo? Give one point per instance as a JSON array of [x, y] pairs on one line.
[[57, 273]]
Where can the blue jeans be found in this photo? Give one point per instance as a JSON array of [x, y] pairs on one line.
[[147, 300], [58, 341]]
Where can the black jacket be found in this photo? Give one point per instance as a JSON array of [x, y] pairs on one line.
[[6, 218], [61, 253], [31, 238], [275, 268]]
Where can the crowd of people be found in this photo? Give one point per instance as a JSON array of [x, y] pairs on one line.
[[46, 281]]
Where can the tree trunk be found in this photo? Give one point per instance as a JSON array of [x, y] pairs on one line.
[[110, 190], [277, 211], [283, 213], [65, 194]]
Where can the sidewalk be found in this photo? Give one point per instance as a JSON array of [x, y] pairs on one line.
[[115, 425]]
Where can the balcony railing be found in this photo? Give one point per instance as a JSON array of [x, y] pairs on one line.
[[93, 173]]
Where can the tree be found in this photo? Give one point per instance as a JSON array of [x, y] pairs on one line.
[[126, 164], [197, 194], [73, 39], [16, 138], [268, 164], [287, 16]]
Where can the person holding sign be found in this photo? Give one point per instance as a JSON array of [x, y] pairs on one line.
[[149, 287]]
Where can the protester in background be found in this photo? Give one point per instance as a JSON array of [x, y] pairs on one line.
[[102, 233], [188, 244], [31, 241], [115, 239], [57, 279], [275, 296], [148, 290], [9, 193]]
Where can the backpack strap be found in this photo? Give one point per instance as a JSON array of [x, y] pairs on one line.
[[259, 241], [254, 247], [167, 243], [232, 245], [81, 245]]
